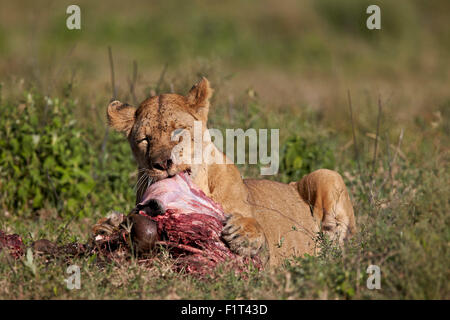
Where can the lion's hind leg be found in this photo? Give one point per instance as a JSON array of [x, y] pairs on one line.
[[325, 192]]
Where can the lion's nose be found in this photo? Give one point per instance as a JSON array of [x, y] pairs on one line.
[[163, 165]]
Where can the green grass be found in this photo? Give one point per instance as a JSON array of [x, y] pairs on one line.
[[406, 238], [401, 210], [286, 67]]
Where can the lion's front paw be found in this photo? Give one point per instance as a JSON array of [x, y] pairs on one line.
[[106, 226], [244, 236]]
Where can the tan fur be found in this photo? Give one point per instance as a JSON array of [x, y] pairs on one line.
[[272, 219]]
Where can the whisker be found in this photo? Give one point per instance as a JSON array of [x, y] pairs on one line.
[[143, 181], [140, 181], [137, 181]]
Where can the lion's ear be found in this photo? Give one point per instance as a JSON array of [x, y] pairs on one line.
[[198, 98], [120, 116]]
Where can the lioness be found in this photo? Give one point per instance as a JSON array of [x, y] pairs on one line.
[[266, 218]]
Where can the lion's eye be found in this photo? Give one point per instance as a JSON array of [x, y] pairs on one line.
[[146, 139]]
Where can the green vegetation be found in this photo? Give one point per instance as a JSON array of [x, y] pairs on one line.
[[49, 162], [45, 151], [300, 157], [285, 66]]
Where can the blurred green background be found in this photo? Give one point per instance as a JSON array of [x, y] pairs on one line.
[[289, 51], [273, 64]]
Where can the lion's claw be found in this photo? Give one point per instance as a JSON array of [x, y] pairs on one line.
[[244, 235]]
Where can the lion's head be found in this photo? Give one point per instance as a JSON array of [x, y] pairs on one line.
[[150, 128]]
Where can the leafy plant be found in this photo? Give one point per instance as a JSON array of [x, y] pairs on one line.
[[301, 156], [44, 157]]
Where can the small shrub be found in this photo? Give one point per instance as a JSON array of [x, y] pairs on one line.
[[44, 158], [47, 160], [301, 156]]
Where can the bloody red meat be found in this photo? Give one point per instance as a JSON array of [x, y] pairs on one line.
[[13, 243], [190, 225]]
